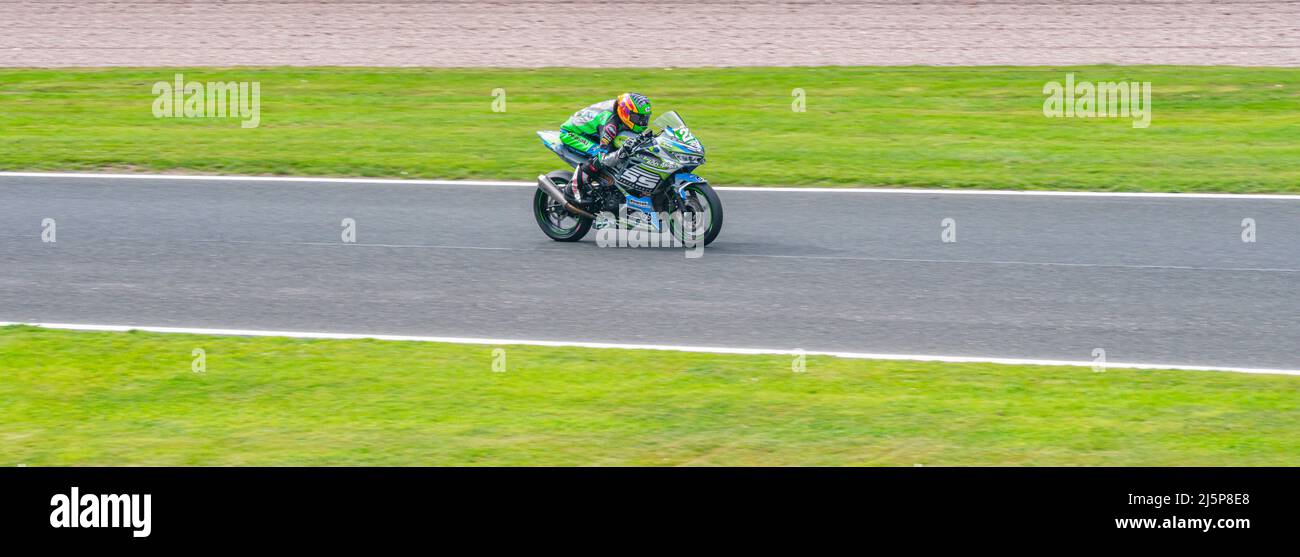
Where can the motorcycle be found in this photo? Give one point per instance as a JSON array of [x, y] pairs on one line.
[[653, 188]]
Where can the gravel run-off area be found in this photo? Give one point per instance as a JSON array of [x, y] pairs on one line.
[[608, 34]]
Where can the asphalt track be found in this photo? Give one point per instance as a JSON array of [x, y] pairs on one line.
[[1162, 280]]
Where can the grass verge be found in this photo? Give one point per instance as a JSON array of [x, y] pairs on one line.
[[1223, 129], [85, 398]]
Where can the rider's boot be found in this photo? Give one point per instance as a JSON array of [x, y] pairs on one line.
[[581, 187], [585, 182]]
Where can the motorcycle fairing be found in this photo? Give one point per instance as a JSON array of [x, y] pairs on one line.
[[551, 139], [683, 179], [644, 205]]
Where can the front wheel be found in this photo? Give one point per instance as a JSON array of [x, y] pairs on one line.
[[701, 215], [556, 222]]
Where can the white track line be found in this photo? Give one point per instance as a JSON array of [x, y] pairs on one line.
[[676, 348], [492, 183]]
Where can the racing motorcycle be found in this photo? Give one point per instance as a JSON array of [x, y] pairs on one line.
[[651, 189]]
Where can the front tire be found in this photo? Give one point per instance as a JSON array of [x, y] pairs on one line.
[[700, 199], [557, 223]]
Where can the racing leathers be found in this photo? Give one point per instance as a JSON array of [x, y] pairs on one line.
[[591, 131]]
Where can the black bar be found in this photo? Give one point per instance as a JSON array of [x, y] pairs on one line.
[[321, 506]]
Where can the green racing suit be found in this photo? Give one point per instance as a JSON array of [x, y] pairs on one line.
[[591, 131]]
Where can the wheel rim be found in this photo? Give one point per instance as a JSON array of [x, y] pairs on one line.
[[695, 204], [556, 217]]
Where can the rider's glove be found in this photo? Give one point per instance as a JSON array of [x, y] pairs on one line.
[[628, 148], [610, 159]]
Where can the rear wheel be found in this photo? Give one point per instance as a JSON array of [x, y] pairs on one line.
[[701, 215], [556, 222]]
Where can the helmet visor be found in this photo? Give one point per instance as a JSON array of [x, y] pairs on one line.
[[638, 120]]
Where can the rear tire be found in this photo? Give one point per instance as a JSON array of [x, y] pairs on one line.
[[557, 223]]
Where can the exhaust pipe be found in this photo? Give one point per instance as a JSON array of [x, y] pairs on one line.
[[554, 192]]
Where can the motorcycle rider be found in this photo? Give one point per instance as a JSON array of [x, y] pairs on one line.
[[591, 131]]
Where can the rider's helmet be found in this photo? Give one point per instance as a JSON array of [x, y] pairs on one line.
[[634, 110]]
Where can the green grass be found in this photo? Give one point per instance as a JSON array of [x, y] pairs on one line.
[[1223, 129], [80, 398]]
